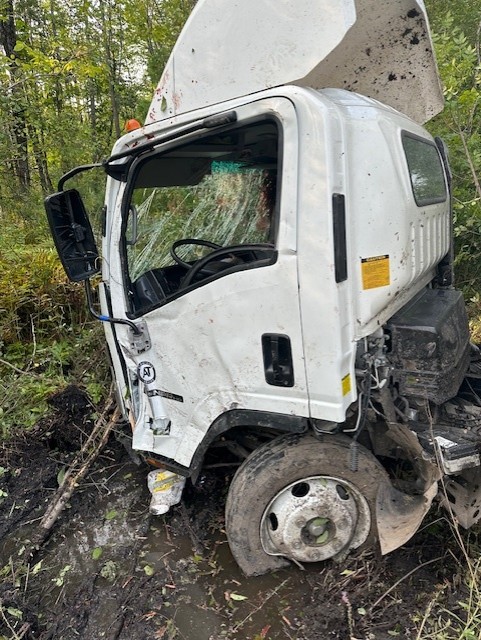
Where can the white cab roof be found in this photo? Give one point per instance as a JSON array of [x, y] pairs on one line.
[[230, 48]]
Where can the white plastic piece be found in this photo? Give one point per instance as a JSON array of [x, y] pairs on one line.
[[232, 48], [166, 488]]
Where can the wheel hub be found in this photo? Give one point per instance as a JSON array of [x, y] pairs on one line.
[[317, 531], [314, 519]]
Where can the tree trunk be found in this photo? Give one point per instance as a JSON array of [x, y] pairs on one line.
[[107, 35], [8, 40], [40, 159]]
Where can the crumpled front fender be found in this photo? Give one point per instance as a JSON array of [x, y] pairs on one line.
[[399, 515]]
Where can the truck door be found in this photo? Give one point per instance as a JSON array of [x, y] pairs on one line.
[[208, 262]]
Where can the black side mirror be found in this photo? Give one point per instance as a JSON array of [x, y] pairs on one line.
[[72, 234]]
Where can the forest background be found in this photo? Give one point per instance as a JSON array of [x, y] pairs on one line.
[[71, 74]]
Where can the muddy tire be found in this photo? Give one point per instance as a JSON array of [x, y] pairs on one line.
[[298, 497]]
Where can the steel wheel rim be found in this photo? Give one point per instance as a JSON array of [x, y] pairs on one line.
[[315, 518]]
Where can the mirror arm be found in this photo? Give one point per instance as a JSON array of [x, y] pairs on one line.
[[97, 316], [73, 172]]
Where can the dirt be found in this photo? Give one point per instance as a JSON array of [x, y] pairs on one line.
[[110, 571]]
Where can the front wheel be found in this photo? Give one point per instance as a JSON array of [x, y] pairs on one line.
[[297, 498]]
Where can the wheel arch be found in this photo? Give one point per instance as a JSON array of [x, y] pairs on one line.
[[277, 422]]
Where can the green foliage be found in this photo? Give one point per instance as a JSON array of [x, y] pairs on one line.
[[46, 339], [458, 618], [466, 15], [97, 553], [30, 372], [459, 125], [60, 579], [109, 571], [71, 74], [155, 27], [35, 297]]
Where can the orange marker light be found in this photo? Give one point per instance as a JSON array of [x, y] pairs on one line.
[[132, 124]]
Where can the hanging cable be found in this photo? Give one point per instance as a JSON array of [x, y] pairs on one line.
[[364, 400]]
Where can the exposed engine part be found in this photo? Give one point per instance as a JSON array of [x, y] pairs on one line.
[[372, 374], [463, 496], [454, 449], [463, 413], [451, 433], [430, 347], [454, 457], [371, 356]]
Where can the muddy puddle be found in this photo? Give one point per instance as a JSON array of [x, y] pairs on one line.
[[111, 571], [170, 574]]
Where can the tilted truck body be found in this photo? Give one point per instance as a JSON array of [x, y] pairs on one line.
[[276, 277]]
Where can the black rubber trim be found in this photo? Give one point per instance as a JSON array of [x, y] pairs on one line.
[[120, 355], [339, 229], [445, 268]]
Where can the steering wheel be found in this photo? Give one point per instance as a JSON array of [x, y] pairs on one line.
[[222, 252], [186, 242]]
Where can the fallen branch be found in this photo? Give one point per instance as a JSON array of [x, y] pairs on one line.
[[76, 472], [21, 633], [16, 369]]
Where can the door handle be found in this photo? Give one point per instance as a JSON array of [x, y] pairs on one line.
[[277, 355]]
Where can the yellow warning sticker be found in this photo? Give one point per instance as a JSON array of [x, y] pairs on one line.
[[346, 384], [375, 272]]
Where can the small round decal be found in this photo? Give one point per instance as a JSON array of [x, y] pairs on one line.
[[146, 372]]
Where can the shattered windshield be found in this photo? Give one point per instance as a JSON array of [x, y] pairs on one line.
[[220, 188]]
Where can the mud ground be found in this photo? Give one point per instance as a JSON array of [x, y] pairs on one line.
[[110, 571]]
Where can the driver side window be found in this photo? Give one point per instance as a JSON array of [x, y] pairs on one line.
[[216, 192]]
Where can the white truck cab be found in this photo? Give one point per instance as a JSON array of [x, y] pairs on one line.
[[276, 276]]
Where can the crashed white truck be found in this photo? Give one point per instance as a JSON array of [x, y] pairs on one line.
[[276, 278]]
